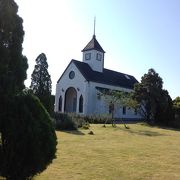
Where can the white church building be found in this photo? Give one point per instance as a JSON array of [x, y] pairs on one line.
[[78, 87]]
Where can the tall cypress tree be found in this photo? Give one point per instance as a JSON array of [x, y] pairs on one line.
[[27, 136], [13, 64], [41, 82]]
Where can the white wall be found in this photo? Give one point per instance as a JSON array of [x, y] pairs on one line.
[[95, 64], [100, 106], [78, 82]]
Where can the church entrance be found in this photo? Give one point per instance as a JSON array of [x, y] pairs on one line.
[[70, 100]]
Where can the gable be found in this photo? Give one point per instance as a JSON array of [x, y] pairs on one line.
[[71, 73]]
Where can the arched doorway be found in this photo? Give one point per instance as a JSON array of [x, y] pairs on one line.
[[70, 100]]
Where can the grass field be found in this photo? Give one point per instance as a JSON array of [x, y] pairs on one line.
[[140, 152]]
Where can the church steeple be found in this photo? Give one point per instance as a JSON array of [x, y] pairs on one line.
[[93, 53], [93, 44]]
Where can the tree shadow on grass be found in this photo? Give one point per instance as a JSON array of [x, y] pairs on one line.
[[74, 132], [149, 133], [142, 132], [169, 128]]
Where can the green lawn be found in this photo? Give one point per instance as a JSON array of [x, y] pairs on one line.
[[140, 152]]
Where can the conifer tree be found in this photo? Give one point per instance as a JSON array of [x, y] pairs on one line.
[[27, 136], [155, 102], [41, 82], [13, 64]]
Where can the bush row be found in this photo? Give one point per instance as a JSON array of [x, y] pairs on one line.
[[71, 121]]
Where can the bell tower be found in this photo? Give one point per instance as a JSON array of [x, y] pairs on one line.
[[93, 54]]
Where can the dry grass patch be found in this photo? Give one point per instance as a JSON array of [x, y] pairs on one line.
[[140, 152]]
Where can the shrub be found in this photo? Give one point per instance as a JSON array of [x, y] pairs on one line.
[[70, 121], [98, 119], [73, 121], [64, 122], [80, 121], [86, 125], [28, 138]]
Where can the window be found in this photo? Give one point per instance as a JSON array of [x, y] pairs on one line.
[[60, 104], [71, 74], [124, 110], [135, 111], [98, 56], [127, 77], [87, 56], [81, 104]]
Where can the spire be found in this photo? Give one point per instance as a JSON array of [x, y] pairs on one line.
[[94, 44], [94, 35]]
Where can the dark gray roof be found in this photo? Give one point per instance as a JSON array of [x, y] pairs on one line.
[[93, 44], [108, 77]]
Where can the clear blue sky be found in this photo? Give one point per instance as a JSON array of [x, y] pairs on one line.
[[136, 34]]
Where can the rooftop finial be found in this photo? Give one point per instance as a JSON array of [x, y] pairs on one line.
[[94, 35]]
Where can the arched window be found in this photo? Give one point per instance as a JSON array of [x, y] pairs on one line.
[[81, 104], [135, 111], [124, 110], [60, 104]]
